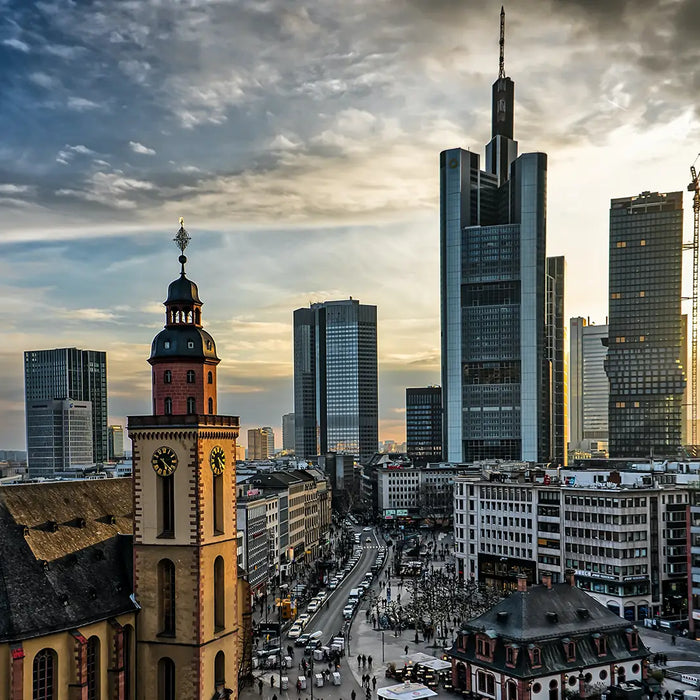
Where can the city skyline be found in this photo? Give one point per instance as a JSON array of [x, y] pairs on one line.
[[314, 137]]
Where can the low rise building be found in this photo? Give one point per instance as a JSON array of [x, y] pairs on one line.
[[546, 642]]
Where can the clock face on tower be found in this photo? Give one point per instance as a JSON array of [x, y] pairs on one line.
[[217, 460], [164, 461]]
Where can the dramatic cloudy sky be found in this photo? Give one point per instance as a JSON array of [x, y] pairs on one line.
[[300, 141]]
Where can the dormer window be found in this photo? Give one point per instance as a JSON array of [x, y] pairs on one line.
[[166, 344], [601, 645], [484, 648], [190, 344], [632, 639], [462, 642], [511, 655], [535, 656], [569, 650]]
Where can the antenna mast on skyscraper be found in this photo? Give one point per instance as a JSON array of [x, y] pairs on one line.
[[502, 42]]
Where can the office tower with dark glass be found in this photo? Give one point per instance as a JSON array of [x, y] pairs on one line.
[[69, 373], [588, 387], [496, 369], [645, 337], [424, 424], [335, 379], [288, 432]]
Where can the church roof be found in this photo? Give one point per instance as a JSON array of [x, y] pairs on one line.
[[65, 555]]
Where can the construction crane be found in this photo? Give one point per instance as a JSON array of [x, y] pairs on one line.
[[694, 187]]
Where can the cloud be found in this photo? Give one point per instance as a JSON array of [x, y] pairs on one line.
[[68, 153], [43, 80], [112, 190], [137, 147], [16, 44], [81, 104], [8, 188]]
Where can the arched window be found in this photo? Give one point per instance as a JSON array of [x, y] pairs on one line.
[[168, 406], [211, 406], [190, 376], [93, 668], [219, 601], [191, 405], [220, 669], [167, 377], [553, 690], [166, 505], [44, 673], [166, 679], [210, 378], [166, 597], [128, 651], [511, 690], [218, 503]]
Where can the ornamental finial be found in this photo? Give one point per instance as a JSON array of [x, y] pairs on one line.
[[182, 238]]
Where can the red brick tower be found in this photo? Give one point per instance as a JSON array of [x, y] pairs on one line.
[[183, 354]]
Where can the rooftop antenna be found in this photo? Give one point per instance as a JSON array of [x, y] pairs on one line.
[[501, 43]]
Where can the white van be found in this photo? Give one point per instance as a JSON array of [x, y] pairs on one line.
[[354, 595]]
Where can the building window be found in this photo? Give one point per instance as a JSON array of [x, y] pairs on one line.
[[210, 378], [218, 504], [220, 669], [570, 651], [191, 405], [166, 503], [93, 668], [511, 690], [536, 657], [167, 377], [166, 679], [485, 683], [190, 344], [166, 598], [44, 675], [219, 601], [168, 406], [190, 376], [211, 406]]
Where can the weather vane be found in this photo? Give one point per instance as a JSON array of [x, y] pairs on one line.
[[182, 239]]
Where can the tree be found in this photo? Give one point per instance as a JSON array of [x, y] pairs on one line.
[[436, 503]]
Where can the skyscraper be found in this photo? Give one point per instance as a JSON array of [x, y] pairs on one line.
[[270, 436], [116, 442], [258, 444], [588, 386], [335, 379], [70, 373], [424, 424], [496, 379], [645, 339], [288, 432]]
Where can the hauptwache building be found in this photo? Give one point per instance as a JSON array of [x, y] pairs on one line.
[[121, 589]]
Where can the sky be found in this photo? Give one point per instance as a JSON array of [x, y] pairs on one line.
[[300, 142]]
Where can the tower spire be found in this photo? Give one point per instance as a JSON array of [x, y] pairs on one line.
[[502, 43]]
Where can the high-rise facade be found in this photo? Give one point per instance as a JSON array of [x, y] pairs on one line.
[[588, 385], [70, 373], [270, 437], [496, 378], [645, 339], [335, 379], [288, 432], [116, 442], [258, 444], [424, 424]]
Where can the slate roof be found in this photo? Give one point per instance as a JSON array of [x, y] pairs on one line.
[[546, 617], [65, 555]]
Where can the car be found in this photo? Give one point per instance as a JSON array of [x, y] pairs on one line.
[[303, 619], [322, 596], [313, 606], [366, 529], [333, 584], [348, 611], [295, 631], [302, 640]]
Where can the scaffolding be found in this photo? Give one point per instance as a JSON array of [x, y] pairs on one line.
[[694, 187]]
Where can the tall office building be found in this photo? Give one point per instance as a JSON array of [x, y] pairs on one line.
[[496, 378], [588, 385], [270, 435], [424, 424], [115, 437], [59, 436], [258, 444], [70, 373], [288, 432], [335, 379], [645, 339]]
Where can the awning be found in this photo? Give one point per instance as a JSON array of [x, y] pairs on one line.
[[436, 664], [406, 691]]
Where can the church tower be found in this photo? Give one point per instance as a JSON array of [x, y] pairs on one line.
[[184, 481]]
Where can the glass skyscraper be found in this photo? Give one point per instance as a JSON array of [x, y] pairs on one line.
[[424, 424], [646, 351], [499, 377], [335, 379], [70, 373], [588, 386]]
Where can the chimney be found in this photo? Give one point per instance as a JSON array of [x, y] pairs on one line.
[[569, 577], [547, 579], [522, 583]]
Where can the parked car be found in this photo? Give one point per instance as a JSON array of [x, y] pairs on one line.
[[295, 631], [302, 640], [313, 606], [348, 611], [303, 620]]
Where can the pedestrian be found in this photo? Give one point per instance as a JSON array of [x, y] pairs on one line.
[[298, 687], [368, 694], [673, 640], [364, 660], [260, 686], [353, 695], [274, 696], [359, 660], [272, 682], [405, 650], [369, 661], [374, 682]]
